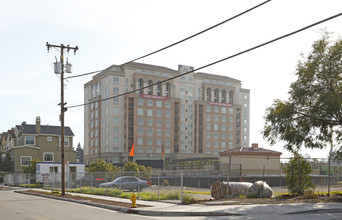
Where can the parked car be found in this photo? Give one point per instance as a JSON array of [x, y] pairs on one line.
[[126, 182]]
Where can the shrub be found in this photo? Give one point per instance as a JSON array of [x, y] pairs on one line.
[[165, 183]]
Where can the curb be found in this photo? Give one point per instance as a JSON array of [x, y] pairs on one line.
[[134, 210]]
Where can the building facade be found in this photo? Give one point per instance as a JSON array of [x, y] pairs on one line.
[[26, 142], [192, 115]]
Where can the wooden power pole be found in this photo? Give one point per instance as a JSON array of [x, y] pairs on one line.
[[62, 104]]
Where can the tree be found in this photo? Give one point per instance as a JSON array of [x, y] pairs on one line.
[[312, 117], [79, 153], [8, 163], [32, 167], [101, 166], [297, 175]]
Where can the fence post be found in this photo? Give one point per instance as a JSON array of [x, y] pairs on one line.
[[139, 185], [181, 186], [299, 187], [105, 183], [228, 177], [158, 184], [91, 182], [329, 175]]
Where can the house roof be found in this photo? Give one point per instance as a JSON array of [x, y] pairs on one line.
[[251, 151], [46, 129]]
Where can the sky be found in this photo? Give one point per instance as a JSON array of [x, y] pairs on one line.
[[111, 32]]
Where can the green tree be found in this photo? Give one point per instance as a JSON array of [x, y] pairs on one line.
[[101, 166], [297, 175], [79, 153], [8, 163], [312, 116], [131, 166], [32, 167]]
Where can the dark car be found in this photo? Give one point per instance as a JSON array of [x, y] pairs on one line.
[[126, 182]]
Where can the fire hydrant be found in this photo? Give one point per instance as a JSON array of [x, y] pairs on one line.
[[133, 199]]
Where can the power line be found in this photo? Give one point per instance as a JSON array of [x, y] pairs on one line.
[[185, 39], [216, 62]]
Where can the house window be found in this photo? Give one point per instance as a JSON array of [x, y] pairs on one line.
[[140, 111], [29, 140], [140, 141], [140, 131], [49, 138], [159, 113], [66, 141], [149, 112], [167, 114], [48, 157], [150, 103], [140, 102], [25, 160]]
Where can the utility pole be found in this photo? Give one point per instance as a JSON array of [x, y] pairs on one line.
[[62, 104]]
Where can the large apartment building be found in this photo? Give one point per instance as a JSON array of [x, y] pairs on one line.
[[194, 115]]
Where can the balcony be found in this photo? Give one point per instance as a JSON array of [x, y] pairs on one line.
[[131, 105]]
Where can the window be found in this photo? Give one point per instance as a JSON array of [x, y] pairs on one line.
[[116, 90], [208, 117], [216, 109], [150, 122], [115, 110], [208, 109], [116, 130], [208, 135], [167, 142], [167, 123], [216, 95], [231, 111], [158, 142], [140, 150], [149, 112], [223, 118], [230, 100], [159, 89], [223, 135], [224, 96], [215, 144], [216, 118], [149, 141], [116, 101], [158, 123], [159, 104], [140, 121], [140, 131], [149, 131], [140, 141], [116, 140], [182, 89], [159, 113], [208, 126], [208, 94], [49, 138], [66, 141], [116, 120], [150, 103], [167, 133], [158, 132], [168, 89], [141, 85], [245, 96], [167, 104], [215, 127], [167, 114], [208, 144], [223, 110], [140, 111], [150, 88], [140, 102], [25, 160], [223, 127], [48, 157], [29, 140]]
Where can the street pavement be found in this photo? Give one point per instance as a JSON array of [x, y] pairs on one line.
[[214, 208]]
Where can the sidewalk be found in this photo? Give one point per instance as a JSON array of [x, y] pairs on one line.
[[210, 208]]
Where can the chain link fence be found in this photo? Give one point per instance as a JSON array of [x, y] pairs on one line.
[[326, 177]]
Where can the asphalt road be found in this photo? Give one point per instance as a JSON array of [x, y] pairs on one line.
[[15, 206]]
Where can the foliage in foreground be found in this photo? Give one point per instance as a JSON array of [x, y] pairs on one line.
[[311, 117]]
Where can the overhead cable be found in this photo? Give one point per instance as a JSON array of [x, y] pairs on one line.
[[216, 62]]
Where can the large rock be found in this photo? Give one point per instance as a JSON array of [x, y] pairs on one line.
[[260, 189]]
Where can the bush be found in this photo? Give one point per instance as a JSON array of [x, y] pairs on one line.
[[298, 169], [165, 183]]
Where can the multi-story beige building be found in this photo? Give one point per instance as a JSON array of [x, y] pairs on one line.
[[194, 115], [26, 142]]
